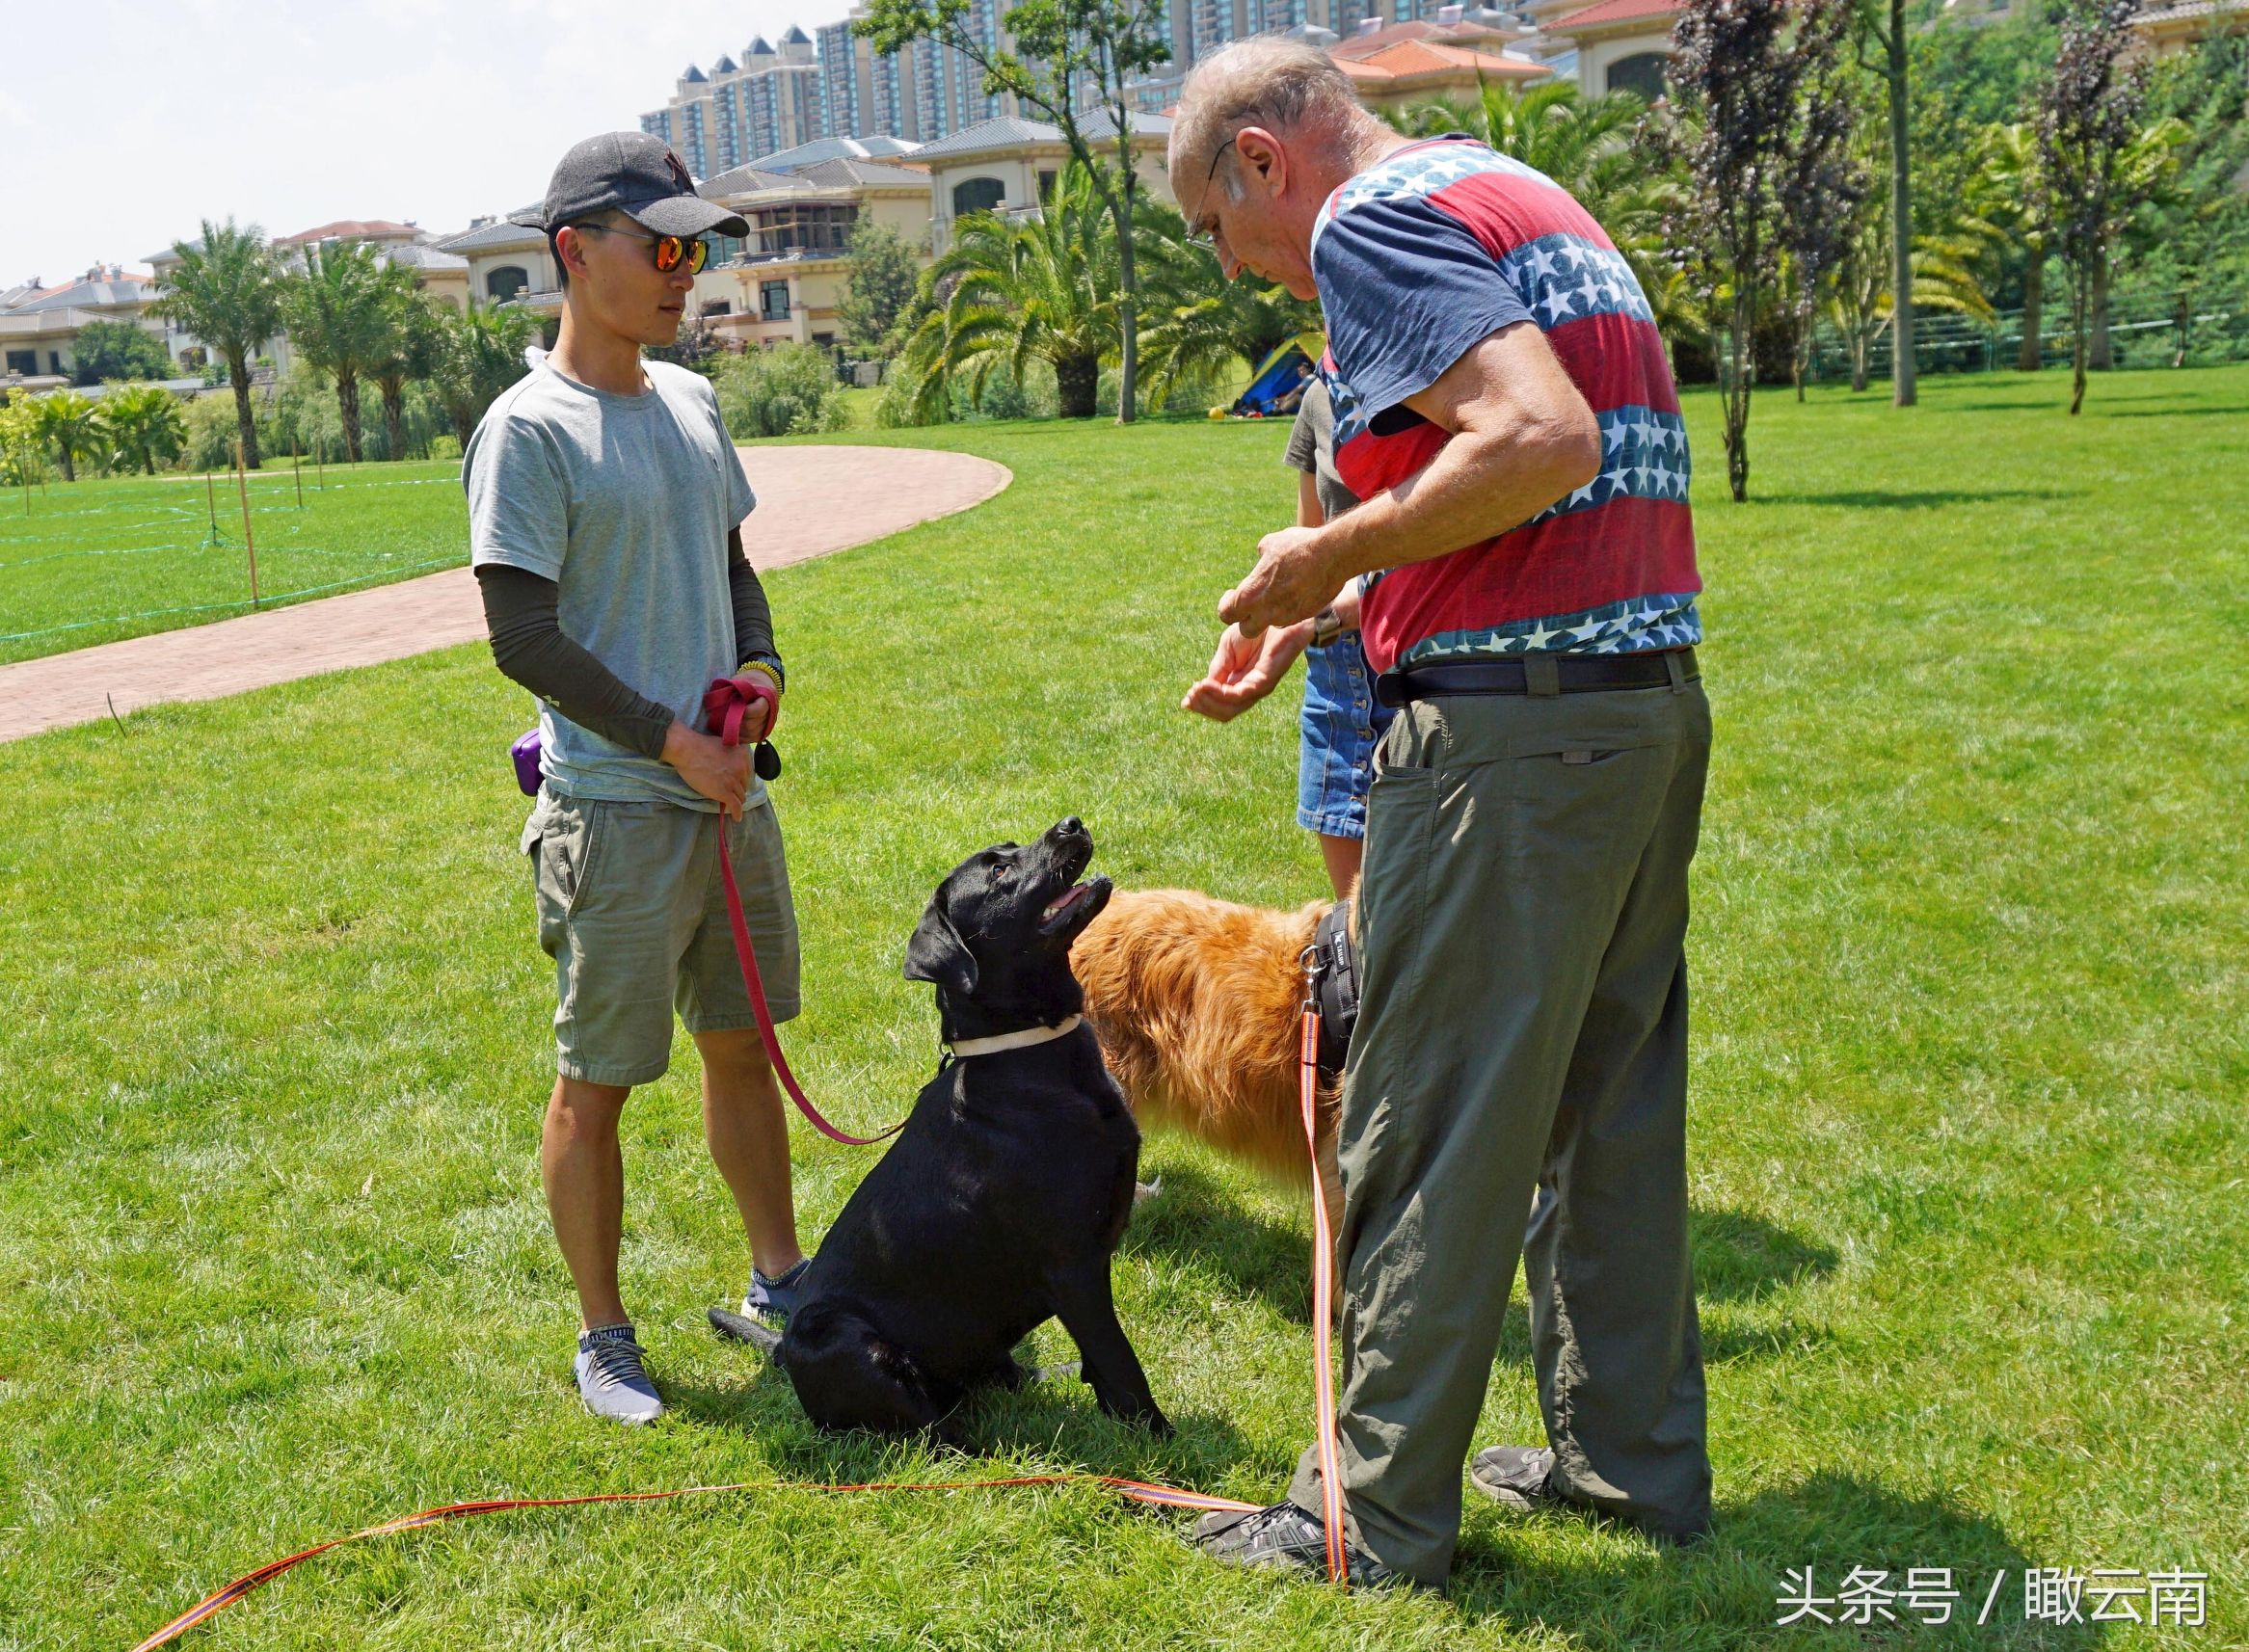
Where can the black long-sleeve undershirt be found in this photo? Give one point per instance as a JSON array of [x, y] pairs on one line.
[[522, 611]]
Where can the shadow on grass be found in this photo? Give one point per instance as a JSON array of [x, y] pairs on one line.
[[1741, 1258], [1196, 1221], [1053, 1420], [1871, 499], [1615, 1590], [2100, 412]]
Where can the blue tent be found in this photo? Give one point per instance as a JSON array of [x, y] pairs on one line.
[[1277, 385]]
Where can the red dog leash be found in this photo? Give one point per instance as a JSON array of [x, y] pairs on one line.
[[724, 704]]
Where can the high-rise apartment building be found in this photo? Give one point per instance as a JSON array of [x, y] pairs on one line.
[[774, 98]]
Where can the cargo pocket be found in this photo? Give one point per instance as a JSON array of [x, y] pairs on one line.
[[569, 842]]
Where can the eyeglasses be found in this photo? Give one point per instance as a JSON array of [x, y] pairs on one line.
[[671, 251], [1208, 238]]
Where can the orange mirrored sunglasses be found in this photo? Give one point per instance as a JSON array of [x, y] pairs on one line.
[[671, 251]]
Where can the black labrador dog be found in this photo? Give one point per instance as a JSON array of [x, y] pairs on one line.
[[1004, 1197]]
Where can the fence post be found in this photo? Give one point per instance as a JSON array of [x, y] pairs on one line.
[[242, 485]]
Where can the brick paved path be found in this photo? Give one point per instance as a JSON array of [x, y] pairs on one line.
[[811, 501]]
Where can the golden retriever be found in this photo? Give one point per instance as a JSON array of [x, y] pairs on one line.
[[1198, 1006]]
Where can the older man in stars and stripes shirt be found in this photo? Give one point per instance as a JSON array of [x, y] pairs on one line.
[[1526, 557]]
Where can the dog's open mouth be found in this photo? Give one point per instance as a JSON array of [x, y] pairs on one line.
[[1057, 912]]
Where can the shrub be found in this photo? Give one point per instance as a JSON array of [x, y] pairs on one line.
[[787, 389]]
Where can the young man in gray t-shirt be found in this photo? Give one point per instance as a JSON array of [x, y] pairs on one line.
[[605, 505]]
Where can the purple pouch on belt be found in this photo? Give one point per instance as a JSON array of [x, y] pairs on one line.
[[526, 753]]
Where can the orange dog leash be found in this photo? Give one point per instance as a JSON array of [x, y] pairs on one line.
[[1322, 1296], [1146, 1492], [1139, 1491]]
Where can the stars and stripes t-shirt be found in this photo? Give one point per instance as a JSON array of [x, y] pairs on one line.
[[1418, 259]]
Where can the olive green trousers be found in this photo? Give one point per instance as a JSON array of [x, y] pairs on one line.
[[1522, 1029]]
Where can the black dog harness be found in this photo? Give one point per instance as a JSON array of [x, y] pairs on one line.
[[1334, 973]]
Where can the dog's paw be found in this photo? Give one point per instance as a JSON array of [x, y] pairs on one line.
[[1143, 1191]]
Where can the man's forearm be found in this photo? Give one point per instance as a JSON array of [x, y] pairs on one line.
[[1471, 492]]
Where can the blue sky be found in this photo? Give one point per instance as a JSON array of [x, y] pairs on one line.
[[124, 123]]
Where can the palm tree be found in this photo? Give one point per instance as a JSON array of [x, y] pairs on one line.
[[69, 422], [1587, 146], [225, 291], [2145, 176], [480, 354], [143, 424], [1197, 322], [1042, 288], [412, 342], [338, 313], [2013, 167]]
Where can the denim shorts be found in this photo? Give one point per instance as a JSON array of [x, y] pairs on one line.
[[1340, 725]]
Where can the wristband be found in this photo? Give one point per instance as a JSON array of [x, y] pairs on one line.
[[767, 668]]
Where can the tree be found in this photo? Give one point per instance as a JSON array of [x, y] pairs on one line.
[[2088, 118], [1201, 324], [225, 291], [1746, 71], [69, 424], [2203, 235], [878, 287], [413, 339], [481, 354], [2013, 167], [1883, 22], [1044, 288], [1820, 184], [1076, 56], [340, 313], [106, 350], [143, 424], [1587, 146], [22, 444]]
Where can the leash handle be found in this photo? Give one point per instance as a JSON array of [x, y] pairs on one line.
[[725, 703], [1322, 1294]]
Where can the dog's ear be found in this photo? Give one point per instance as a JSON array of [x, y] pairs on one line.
[[937, 954]]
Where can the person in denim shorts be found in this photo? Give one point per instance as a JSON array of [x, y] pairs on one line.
[[1341, 722]]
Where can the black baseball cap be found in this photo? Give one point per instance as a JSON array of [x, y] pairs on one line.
[[634, 174]]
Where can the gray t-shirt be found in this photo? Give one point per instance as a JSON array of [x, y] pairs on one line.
[[624, 502], [1312, 450]]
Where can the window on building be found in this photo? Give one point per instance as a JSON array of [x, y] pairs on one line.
[[715, 306], [1641, 72], [978, 195], [24, 361], [773, 301], [784, 229], [1046, 186], [504, 282]]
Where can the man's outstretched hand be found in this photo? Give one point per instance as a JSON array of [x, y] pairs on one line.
[[1291, 582], [1246, 669]]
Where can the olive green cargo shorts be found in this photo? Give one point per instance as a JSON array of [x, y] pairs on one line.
[[633, 911]]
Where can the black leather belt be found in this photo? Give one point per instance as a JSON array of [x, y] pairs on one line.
[[1522, 674]]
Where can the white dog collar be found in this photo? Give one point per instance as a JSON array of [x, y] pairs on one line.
[[1023, 1039]]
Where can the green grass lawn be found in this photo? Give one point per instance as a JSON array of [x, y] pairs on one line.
[[90, 562], [1969, 1149]]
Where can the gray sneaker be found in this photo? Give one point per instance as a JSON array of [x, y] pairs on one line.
[[611, 1378], [1284, 1536], [773, 1300]]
